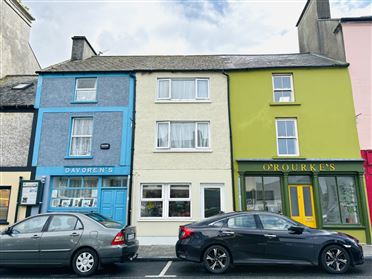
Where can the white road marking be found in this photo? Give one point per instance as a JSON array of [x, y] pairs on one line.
[[162, 273]]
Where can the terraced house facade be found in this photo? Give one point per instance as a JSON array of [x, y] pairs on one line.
[[181, 168], [295, 144], [161, 141], [83, 139]]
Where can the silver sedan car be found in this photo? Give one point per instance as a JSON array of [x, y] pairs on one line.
[[80, 240]]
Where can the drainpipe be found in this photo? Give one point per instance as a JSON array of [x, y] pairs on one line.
[[230, 136], [133, 76]]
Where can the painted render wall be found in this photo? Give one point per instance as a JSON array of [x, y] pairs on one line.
[[324, 111], [358, 45], [12, 179], [55, 135], [152, 166], [60, 92], [17, 56]]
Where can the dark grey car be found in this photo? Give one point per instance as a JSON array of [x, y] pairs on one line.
[[80, 240]]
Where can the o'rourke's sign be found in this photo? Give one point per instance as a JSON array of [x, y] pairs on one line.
[[30, 190], [288, 167]]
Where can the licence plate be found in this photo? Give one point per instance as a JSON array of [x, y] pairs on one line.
[[130, 236]]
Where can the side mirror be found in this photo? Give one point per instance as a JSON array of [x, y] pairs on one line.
[[8, 230], [296, 229]]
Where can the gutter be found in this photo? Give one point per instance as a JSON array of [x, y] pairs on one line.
[[230, 137]]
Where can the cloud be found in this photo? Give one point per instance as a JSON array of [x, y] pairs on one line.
[[124, 27]]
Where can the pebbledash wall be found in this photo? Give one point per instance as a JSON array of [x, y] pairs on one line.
[[322, 185], [172, 186], [99, 181]]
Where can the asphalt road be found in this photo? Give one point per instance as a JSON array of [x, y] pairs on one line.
[[168, 269]]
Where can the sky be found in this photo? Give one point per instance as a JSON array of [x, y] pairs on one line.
[[142, 27]]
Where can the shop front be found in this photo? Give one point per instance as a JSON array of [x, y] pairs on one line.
[[87, 189], [326, 194]]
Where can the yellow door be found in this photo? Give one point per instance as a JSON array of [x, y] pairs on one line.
[[302, 204]]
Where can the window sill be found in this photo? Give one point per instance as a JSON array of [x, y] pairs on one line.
[[166, 219], [182, 102], [272, 104], [78, 157], [289, 157], [84, 102], [2, 222], [182, 151]]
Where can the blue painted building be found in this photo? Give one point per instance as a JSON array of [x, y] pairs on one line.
[[83, 141]]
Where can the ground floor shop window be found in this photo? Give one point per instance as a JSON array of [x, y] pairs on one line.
[[339, 200], [263, 193], [75, 192], [4, 203], [165, 200]]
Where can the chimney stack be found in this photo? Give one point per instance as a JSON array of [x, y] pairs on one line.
[[81, 48], [324, 11]]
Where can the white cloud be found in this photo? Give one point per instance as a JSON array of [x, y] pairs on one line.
[[171, 27]]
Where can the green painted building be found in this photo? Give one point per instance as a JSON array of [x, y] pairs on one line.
[[294, 142]]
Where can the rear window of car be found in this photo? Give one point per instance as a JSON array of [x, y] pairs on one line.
[[107, 222]]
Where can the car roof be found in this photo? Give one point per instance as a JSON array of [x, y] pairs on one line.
[[221, 216]]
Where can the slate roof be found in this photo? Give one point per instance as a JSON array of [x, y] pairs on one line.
[[10, 97], [193, 63]]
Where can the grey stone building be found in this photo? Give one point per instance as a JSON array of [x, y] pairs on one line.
[[16, 55], [17, 126]]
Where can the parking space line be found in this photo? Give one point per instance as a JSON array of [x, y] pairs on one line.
[[162, 273]]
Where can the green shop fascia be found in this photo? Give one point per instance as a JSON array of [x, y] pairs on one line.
[[325, 194]]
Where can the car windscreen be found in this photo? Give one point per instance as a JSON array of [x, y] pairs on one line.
[[107, 222]]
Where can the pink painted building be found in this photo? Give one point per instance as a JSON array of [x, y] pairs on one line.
[[347, 39]]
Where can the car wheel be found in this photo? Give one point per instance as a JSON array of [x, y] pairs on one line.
[[335, 259], [216, 259], [85, 262]]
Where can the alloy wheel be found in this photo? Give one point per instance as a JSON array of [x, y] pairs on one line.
[[336, 259], [216, 259]]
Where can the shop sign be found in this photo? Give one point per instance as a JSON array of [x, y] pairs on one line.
[[88, 170], [289, 167], [30, 192]]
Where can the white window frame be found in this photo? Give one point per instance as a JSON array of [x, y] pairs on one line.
[[169, 98], [80, 136], [285, 137], [196, 148], [282, 89], [85, 89], [165, 193], [204, 186]]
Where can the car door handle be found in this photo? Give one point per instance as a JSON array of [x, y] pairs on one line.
[[270, 235], [227, 233], [35, 236], [74, 234]]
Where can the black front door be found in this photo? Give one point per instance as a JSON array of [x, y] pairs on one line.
[[245, 241]]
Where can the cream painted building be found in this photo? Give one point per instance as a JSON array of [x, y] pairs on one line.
[[181, 168]]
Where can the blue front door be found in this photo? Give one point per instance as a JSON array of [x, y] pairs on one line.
[[114, 204]]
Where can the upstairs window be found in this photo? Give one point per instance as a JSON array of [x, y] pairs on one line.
[[81, 136], [86, 90], [283, 88], [183, 135], [286, 135], [187, 89]]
